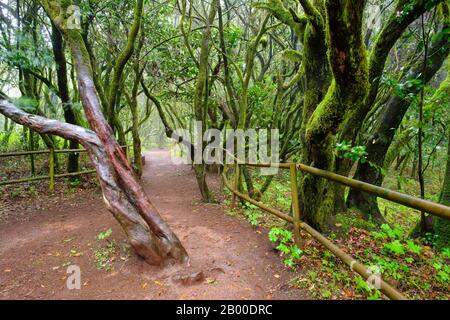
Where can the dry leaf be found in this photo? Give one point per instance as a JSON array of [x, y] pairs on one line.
[[210, 280]]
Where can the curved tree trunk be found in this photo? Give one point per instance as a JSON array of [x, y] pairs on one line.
[[124, 196], [148, 234]]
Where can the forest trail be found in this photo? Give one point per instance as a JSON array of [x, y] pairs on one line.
[[237, 261]]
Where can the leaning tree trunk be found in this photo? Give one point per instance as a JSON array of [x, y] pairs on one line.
[[149, 235]]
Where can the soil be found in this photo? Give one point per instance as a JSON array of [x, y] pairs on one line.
[[230, 259]]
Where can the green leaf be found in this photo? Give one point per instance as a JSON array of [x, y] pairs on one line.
[[395, 247], [104, 235], [283, 248], [414, 248], [296, 252], [446, 253]]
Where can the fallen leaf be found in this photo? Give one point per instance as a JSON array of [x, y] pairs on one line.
[[145, 285], [74, 253], [158, 283]]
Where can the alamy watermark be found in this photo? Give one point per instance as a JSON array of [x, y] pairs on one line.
[[374, 279], [74, 279], [229, 146]]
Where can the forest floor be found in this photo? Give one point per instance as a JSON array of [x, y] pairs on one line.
[[41, 236]]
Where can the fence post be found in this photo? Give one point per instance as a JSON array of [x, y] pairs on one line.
[[236, 182], [52, 170], [295, 204]]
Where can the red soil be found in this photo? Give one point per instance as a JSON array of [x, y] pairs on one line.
[[238, 261]]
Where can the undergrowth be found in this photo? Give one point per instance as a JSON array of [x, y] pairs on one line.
[[410, 265]]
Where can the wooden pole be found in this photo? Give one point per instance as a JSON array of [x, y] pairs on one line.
[[52, 170], [31, 148], [236, 182], [295, 204]]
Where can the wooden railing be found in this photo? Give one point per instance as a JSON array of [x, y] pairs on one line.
[[295, 219], [52, 175]]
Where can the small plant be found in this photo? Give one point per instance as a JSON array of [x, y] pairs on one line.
[[391, 267], [14, 193], [446, 253], [253, 217], [74, 183], [104, 235], [286, 246], [376, 295], [442, 273], [387, 232], [104, 256], [414, 248], [363, 288], [395, 233], [357, 154], [395, 247]]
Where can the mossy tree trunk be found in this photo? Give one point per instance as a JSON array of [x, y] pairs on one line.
[[345, 96], [201, 101], [116, 85], [132, 100]]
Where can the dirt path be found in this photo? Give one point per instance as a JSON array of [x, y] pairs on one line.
[[237, 261]]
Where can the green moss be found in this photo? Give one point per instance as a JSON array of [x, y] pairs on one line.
[[292, 55]]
